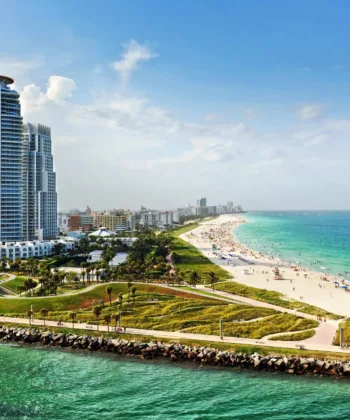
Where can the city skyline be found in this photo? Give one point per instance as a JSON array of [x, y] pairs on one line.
[[150, 117]]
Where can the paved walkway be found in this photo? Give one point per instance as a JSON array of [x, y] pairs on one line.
[[186, 336], [3, 285]]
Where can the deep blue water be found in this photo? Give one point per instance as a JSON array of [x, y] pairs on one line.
[[313, 238], [52, 384]]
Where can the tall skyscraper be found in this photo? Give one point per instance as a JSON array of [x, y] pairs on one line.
[[11, 163], [40, 203], [28, 199]]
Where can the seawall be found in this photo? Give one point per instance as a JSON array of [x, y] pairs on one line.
[[178, 353]]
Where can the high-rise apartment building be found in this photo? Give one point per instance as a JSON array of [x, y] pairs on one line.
[[40, 204], [11, 163], [202, 202], [28, 199]]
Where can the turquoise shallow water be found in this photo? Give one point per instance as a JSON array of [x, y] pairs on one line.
[[315, 239], [52, 384]]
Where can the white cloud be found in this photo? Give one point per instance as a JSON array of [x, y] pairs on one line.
[[60, 88], [317, 140], [311, 111], [267, 166], [134, 54], [210, 117], [252, 112]]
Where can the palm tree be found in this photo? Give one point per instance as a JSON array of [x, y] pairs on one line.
[[62, 276], [109, 290], [72, 316], [30, 314], [212, 279], [88, 271], [83, 273], [107, 319], [133, 291], [44, 313], [20, 289], [121, 297], [97, 312], [129, 285], [97, 274], [116, 319], [194, 278]]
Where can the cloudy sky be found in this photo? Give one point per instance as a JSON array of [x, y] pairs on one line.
[[157, 103]]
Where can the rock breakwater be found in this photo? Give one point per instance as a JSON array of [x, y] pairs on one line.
[[178, 352]]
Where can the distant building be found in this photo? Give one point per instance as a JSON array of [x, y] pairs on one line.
[[74, 222], [113, 222], [63, 222], [96, 256], [30, 249], [155, 218], [86, 222]]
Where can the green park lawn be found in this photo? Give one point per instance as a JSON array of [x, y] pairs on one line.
[[302, 335], [15, 283], [157, 308], [346, 326], [190, 259], [76, 301], [160, 308]]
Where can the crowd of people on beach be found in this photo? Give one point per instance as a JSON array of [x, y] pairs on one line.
[[220, 237]]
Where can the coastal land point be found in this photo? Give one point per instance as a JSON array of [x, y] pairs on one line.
[[208, 276]]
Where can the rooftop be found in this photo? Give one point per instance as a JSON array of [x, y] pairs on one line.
[[6, 80]]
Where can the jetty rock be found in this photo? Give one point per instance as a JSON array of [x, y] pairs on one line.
[[174, 352]]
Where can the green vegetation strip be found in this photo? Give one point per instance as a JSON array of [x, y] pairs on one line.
[[303, 335], [20, 306], [154, 311], [190, 259], [257, 329], [346, 326], [15, 283], [274, 298]]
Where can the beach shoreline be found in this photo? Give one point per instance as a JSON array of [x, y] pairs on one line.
[[253, 268]]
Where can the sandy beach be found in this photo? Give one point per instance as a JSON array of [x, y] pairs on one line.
[[253, 268]]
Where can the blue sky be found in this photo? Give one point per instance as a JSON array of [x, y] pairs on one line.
[[241, 100]]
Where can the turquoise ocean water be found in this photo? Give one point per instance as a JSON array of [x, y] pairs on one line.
[[315, 239], [53, 384]]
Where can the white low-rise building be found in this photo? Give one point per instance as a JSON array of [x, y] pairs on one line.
[[96, 256], [31, 249]]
